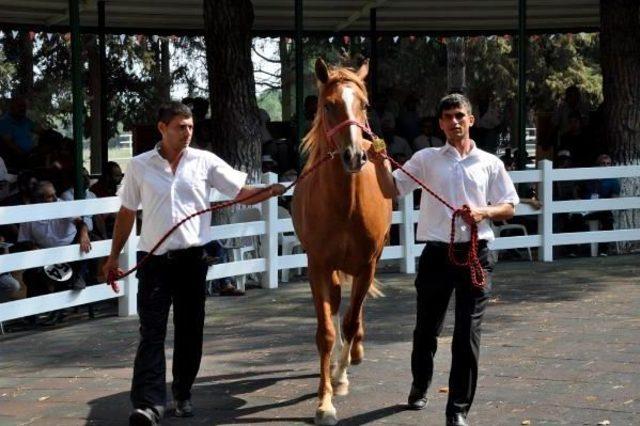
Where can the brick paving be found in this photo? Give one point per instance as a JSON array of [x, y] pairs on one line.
[[561, 345]]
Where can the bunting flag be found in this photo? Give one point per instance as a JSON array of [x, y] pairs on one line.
[[442, 40], [427, 39], [507, 37], [330, 40], [395, 39], [346, 40], [14, 33], [492, 38], [412, 38], [362, 39], [49, 36], [1, 34], [122, 38], [155, 38]]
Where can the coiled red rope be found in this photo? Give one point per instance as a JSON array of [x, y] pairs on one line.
[[114, 275]]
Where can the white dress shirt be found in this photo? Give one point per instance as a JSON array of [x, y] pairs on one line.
[[68, 195], [166, 198], [478, 179], [49, 232]]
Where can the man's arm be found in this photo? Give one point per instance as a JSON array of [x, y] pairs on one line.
[[83, 235], [385, 178], [121, 231], [498, 212], [256, 195]]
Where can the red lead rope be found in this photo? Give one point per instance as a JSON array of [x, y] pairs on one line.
[[114, 275]]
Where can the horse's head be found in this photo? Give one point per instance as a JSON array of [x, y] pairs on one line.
[[342, 112]]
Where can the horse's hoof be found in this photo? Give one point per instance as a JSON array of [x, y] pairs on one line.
[[357, 354], [326, 417], [341, 389]]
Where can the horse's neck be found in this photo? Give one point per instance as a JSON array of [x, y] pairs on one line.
[[343, 189]]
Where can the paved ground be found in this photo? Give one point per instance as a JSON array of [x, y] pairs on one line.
[[561, 345]]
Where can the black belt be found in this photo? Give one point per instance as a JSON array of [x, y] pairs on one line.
[[178, 254]]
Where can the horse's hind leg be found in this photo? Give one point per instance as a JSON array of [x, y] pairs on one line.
[[325, 338]]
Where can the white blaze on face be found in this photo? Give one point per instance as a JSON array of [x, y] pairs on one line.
[[348, 97]]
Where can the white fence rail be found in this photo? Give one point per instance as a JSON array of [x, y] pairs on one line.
[[271, 226]]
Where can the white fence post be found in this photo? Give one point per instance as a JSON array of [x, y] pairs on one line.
[[270, 239], [127, 304], [407, 237], [545, 220]]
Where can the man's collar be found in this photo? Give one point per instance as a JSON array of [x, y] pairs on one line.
[[450, 148]]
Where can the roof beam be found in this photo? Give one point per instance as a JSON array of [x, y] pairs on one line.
[[357, 15], [84, 5]]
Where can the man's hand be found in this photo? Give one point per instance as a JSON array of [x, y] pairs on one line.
[[277, 189], [479, 214], [112, 265], [85, 242]]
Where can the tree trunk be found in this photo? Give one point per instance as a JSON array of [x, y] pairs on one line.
[[93, 56], [234, 109], [24, 44], [286, 77], [456, 71], [620, 50], [164, 70]]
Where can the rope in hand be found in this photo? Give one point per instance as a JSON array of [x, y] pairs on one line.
[[114, 275]]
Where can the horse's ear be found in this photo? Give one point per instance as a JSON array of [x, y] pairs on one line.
[[363, 71], [322, 72]]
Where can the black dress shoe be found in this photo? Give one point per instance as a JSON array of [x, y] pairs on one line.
[[417, 399], [457, 419], [183, 408], [144, 417]]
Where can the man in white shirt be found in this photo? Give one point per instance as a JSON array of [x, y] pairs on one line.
[[171, 182], [463, 175]]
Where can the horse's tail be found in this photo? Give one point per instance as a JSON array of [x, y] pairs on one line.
[[374, 289]]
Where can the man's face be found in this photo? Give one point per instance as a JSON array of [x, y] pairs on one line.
[[116, 175], [455, 123], [48, 194], [177, 133]]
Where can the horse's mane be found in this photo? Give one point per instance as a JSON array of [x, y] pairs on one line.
[[313, 142]]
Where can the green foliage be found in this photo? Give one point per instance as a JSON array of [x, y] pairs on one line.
[[271, 101]]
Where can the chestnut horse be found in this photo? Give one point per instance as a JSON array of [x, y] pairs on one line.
[[342, 220]]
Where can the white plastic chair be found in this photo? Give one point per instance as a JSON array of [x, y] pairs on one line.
[[243, 248], [289, 243], [499, 229]]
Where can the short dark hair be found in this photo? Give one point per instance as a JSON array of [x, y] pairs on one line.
[[454, 100], [167, 111]]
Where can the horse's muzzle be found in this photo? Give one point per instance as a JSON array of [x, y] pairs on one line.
[[354, 160]]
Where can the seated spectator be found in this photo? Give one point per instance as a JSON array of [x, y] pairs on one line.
[[427, 137], [577, 143], [16, 134], [397, 147], [408, 123], [69, 195], [602, 188], [269, 164], [26, 184], [4, 180], [58, 232], [9, 285]]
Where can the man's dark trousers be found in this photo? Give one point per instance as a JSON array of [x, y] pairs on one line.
[[177, 277], [436, 280]]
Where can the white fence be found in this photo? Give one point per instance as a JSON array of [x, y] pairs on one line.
[[271, 226]]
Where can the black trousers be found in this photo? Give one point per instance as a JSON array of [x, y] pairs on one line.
[[436, 280], [177, 277]]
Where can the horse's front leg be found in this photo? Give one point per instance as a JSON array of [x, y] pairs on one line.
[[325, 338], [353, 330]]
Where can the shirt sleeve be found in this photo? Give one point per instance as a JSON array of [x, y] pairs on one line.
[[404, 184], [130, 194], [501, 188], [224, 178], [24, 233]]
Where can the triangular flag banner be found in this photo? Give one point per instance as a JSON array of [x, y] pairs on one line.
[[395, 39], [14, 33], [330, 39], [491, 37], [49, 35], [346, 39], [362, 39], [412, 38], [427, 39], [1, 34], [154, 38], [122, 38]]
